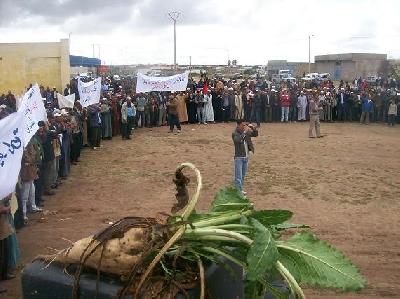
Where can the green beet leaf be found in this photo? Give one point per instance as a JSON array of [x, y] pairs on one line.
[[314, 262], [262, 254], [272, 217], [230, 199]]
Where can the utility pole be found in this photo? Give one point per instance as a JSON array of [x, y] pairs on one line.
[[190, 63], [174, 15], [93, 50], [309, 53], [99, 52]]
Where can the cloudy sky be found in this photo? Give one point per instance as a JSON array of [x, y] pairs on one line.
[[251, 31]]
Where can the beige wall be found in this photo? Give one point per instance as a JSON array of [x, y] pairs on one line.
[[351, 70], [44, 63]]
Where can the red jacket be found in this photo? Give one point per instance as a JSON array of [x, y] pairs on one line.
[[285, 100]]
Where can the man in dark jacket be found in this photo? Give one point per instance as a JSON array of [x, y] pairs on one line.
[[243, 146], [47, 169], [94, 125]]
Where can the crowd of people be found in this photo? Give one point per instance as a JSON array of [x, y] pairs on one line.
[[57, 145]]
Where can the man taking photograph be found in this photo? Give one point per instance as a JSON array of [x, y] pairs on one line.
[[243, 146]]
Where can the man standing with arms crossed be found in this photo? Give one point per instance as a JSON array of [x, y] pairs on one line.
[[243, 146]]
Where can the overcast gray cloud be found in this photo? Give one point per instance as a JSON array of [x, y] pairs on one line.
[[252, 31]]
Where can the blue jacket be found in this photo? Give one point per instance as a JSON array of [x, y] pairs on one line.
[[367, 105]]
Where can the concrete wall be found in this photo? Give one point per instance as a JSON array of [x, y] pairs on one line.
[[24, 63], [352, 65], [341, 70]]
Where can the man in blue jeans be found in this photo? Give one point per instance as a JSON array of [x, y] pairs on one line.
[[243, 146]]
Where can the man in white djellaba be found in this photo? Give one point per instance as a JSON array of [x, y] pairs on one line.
[[302, 106], [208, 107]]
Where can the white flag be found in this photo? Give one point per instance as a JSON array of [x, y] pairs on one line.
[[66, 101], [33, 110], [89, 92], [11, 150], [173, 83]]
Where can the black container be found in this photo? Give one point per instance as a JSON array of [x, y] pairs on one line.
[[39, 282]]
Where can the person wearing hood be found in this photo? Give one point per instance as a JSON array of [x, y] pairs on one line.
[[302, 106]]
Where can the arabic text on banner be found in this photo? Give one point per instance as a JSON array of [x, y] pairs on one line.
[[11, 150], [33, 111], [173, 83], [89, 92]]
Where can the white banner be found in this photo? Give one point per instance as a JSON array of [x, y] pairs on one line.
[[66, 101], [89, 92], [11, 150], [33, 110], [173, 83]]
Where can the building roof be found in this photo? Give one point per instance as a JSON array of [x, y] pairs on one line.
[[351, 57]]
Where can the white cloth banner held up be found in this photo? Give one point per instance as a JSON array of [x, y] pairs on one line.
[[173, 83], [89, 92], [11, 150], [66, 101], [33, 110]]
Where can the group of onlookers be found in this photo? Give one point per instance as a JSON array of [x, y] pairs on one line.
[[57, 145]]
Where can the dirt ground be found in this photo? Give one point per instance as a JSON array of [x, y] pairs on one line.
[[345, 185]]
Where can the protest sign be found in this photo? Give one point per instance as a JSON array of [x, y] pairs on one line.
[[66, 101], [172, 83], [11, 150], [89, 92], [33, 110]]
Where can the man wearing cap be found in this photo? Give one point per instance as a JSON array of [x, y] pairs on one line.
[[285, 104], [243, 146], [314, 111]]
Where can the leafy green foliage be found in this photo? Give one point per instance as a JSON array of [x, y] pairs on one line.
[[272, 217], [234, 231], [230, 199], [262, 254], [314, 262]]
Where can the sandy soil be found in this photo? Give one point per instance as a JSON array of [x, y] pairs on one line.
[[346, 186]]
